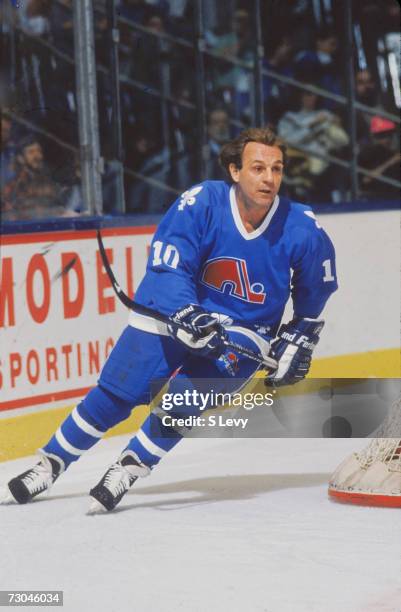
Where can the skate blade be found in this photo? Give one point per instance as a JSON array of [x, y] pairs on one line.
[[6, 498], [96, 508]]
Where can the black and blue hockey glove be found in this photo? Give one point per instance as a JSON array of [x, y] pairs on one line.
[[205, 336], [293, 351]]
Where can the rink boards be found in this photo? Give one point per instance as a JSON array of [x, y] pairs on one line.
[[59, 318]]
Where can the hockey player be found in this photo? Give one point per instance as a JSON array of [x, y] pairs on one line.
[[225, 259]]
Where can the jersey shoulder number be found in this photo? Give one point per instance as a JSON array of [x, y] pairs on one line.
[[311, 214]]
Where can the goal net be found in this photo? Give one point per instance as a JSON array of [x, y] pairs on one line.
[[372, 476]]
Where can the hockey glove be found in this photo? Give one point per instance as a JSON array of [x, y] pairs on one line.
[[205, 335], [293, 351]]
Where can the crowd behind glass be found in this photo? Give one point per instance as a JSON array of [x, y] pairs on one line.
[[40, 167]]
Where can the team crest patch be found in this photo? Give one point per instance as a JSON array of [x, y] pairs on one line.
[[230, 275], [188, 198]]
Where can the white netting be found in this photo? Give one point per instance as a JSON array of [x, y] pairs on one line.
[[385, 450], [373, 475]]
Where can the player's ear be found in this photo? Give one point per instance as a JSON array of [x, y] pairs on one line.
[[234, 172]]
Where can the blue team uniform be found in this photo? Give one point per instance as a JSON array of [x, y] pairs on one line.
[[202, 254]]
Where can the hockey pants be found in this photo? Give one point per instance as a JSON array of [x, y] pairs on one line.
[[134, 373]]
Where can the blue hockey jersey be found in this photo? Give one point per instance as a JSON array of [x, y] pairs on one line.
[[202, 254]]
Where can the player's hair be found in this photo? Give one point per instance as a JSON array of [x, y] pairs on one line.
[[231, 152]]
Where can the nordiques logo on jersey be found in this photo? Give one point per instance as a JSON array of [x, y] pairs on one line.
[[230, 275]]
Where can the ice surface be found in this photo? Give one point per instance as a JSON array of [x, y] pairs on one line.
[[221, 525]]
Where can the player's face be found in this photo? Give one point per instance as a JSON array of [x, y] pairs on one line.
[[259, 179]]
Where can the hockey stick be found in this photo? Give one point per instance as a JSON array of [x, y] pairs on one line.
[[267, 362]]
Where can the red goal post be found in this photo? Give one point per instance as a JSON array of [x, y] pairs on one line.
[[372, 477]]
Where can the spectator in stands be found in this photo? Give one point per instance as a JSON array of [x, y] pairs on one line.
[[218, 130], [150, 50], [153, 63], [8, 19], [35, 61], [186, 162], [8, 151], [382, 157], [61, 26], [282, 56], [182, 22], [34, 16], [137, 10], [133, 11], [367, 93], [73, 196], [380, 26], [320, 65], [153, 162], [276, 94], [156, 162], [391, 29], [32, 194], [233, 81], [366, 89], [183, 129], [318, 131]]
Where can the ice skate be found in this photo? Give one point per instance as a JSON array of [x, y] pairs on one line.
[[39, 479], [118, 479]]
